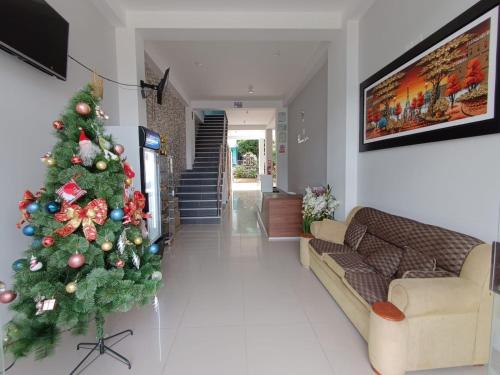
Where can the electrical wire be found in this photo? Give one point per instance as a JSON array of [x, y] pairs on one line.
[[103, 77]]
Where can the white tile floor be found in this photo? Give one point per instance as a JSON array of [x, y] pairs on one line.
[[233, 303]]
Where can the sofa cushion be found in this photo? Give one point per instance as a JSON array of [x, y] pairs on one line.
[[326, 247], [347, 262], [390, 228], [370, 244], [386, 261], [373, 287], [427, 274], [354, 235], [449, 248], [416, 261]]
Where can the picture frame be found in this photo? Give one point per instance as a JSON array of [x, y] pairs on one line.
[[445, 87]]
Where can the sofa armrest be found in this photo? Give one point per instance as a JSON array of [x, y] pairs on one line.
[[417, 297], [329, 230]]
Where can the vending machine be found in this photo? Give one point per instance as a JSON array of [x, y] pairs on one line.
[[142, 147]]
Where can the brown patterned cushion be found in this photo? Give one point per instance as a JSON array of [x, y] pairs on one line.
[[326, 247], [354, 235], [373, 287], [351, 262], [370, 244], [421, 274], [390, 228], [386, 261], [448, 248], [416, 261]]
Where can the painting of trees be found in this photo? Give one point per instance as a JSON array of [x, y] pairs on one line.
[[420, 100], [453, 87], [439, 63], [474, 75], [385, 91]]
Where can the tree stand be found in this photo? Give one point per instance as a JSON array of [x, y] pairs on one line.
[[101, 346]]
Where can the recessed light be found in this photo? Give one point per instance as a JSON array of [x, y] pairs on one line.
[[277, 53], [251, 90], [198, 64]]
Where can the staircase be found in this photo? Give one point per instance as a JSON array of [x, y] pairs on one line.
[[198, 192]]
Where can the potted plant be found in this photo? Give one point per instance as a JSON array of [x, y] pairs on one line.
[[318, 203]]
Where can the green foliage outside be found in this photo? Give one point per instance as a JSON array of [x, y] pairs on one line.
[[102, 287], [242, 171], [245, 146]]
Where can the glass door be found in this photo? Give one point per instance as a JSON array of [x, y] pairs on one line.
[[152, 189]]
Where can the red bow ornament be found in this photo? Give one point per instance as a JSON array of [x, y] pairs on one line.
[[28, 197], [95, 212], [134, 209]]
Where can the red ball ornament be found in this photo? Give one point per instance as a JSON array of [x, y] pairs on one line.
[[48, 241], [58, 125], [7, 296], [120, 263], [76, 260], [77, 160], [83, 109]]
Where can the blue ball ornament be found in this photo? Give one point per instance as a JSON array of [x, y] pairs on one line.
[[117, 214], [52, 207], [19, 265], [32, 207], [29, 230], [154, 248]]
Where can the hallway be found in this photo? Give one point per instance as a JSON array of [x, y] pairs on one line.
[[233, 304]]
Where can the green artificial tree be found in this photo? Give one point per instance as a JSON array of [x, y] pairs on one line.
[[90, 255]]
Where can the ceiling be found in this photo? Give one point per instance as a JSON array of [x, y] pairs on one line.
[[224, 70], [341, 6], [251, 116]]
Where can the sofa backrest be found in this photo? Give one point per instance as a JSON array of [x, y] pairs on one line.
[[449, 248]]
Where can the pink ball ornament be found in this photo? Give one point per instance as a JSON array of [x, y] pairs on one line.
[[7, 296], [83, 109], [76, 260], [118, 149]]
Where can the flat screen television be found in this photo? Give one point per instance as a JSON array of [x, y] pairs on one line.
[[36, 33]]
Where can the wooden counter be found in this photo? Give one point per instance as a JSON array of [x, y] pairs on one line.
[[281, 214]]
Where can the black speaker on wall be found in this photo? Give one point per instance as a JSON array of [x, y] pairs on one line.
[[495, 268]]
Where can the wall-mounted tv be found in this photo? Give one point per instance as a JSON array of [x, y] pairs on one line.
[[36, 33]]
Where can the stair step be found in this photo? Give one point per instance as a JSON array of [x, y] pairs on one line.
[[198, 181], [200, 220], [190, 196], [198, 212], [197, 175], [198, 204], [206, 158], [197, 189]]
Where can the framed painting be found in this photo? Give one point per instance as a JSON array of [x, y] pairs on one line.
[[445, 87]]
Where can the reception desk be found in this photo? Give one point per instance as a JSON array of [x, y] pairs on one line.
[[280, 214]]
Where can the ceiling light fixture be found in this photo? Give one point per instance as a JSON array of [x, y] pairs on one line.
[[198, 64], [251, 90]]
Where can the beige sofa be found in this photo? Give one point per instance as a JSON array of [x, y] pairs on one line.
[[445, 321]]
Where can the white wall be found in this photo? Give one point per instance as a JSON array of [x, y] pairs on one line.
[[455, 184], [307, 160], [29, 101]]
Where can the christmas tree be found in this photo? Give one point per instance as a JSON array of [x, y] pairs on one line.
[[90, 255]]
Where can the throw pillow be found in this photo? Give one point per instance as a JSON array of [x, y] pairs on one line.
[[354, 234], [419, 274], [414, 260], [385, 261]]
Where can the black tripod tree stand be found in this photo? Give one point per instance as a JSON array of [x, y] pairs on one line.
[[100, 346]]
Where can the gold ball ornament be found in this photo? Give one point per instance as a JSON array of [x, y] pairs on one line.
[[107, 246], [50, 162], [71, 287], [83, 109], [128, 181], [2, 286], [101, 165], [138, 240]]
